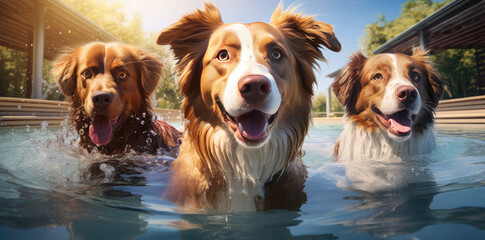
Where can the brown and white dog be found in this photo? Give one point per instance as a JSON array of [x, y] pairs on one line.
[[248, 91], [109, 87], [389, 102]]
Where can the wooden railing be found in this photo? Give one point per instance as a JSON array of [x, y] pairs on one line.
[[34, 112], [470, 110]]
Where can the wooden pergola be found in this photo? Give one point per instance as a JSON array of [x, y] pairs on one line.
[[42, 28], [458, 25]]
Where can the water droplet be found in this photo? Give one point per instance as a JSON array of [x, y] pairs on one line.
[[81, 131], [149, 141], [142, 122], [137, 119], [143, 115], [27, 128], [44, 125], [19, 107]]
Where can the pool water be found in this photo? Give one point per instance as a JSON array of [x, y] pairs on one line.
[[51, 189]]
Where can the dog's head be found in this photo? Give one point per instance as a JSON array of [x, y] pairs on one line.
[[109, 81], [248, 77], [396, 93]]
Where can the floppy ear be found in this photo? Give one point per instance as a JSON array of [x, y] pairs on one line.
[[150, 71], [188, 39], [306, 35], [436, 84], [64, 72], [346, 85]]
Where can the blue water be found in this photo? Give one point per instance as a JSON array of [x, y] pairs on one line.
[[47, 193]]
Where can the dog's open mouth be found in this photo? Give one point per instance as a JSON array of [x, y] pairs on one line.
[[101, 128], [252, 127], [398, 123]]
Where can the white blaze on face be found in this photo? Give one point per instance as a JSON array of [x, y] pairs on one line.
[[232, 99], [390, 104]]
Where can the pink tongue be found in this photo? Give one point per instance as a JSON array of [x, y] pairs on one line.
[[404, 126], [253, 124], [100, 130]]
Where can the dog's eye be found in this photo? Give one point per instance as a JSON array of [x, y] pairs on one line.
[[276, 54], [87, 74], [223, 56], [414, 76], [377, 77], [122, 75]]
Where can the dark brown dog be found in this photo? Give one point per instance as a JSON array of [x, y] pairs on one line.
[[108, 86]]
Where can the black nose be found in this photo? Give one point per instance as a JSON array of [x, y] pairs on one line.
[[254, 88], [407, 94], [102, 99]]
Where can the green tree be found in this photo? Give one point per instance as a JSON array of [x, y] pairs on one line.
[[457, 66], [320, 103]]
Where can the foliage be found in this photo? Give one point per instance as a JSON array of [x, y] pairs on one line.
[[382, 31], [458, 69], [457, 66], [12, 73], [320, 103]]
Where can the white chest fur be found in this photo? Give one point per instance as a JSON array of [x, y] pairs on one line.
[[247, 169], [359, 144]]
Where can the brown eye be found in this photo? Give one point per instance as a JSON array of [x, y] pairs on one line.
[[223, 56], [276, 54], [87, 74], [122, 75], [377, 77], [414, 76]]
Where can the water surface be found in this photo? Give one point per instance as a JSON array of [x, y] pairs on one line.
[[51, 189]]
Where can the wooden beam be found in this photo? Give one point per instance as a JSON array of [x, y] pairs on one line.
[[38, 56]]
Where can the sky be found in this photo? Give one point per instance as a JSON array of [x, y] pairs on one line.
[[349, 18]]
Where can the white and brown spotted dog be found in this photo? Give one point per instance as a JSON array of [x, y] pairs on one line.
[[389, 102], [248, 91]]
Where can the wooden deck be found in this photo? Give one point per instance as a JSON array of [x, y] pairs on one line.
[[21, 111]]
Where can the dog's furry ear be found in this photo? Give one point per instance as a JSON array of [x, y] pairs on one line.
[[188, 39], [64, 72], [436, 85], [347, 83], [150, 71], [306, 35]]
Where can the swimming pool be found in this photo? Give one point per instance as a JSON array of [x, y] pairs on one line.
[[46, 193]]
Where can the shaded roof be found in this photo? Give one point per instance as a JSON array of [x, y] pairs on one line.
[[459, 24], [64, 27]]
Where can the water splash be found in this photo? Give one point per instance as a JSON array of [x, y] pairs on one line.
[[44, 125]]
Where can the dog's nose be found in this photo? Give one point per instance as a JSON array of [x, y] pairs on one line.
[[406, 94], [254, 88], [102, 99]]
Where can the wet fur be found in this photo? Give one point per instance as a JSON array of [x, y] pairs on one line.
[[362, 138], [213, 170], [153, 136]]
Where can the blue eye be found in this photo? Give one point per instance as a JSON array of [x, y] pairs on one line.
[[414, 76]]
